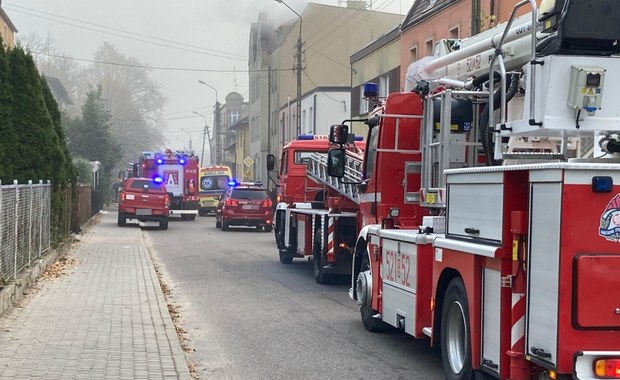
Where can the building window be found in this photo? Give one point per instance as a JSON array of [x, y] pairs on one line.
[[384, 86], [304, 121], [363, 103], [428, 47], [454, 33], [413, 54], [233, 117]]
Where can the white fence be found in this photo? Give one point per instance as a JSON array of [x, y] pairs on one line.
[[24, 225]]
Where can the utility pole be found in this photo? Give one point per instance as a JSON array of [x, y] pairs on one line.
[[218, 136], [216, 127], [298, 66]]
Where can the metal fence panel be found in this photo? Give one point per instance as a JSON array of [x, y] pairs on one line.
[[24, 225]]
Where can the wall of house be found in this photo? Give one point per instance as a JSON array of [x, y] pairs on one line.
[[6, 29], [453, 22], [330, 35]]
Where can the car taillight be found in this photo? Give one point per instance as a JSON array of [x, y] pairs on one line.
[[266, 204], [231, 202], [607, 368], [123, 195], [167, 201]]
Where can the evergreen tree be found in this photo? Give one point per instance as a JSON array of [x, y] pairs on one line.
[[91, 137], [7, 132], [64, 171], [37, 145]]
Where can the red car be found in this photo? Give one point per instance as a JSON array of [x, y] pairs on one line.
[[145, 200], [244, 204]]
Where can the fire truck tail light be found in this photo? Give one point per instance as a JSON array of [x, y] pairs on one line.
[[607, 368], [278, 198]]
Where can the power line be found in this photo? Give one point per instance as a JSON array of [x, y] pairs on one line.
[[210, 52], [151, 67]]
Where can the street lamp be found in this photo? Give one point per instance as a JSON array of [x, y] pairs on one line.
[[190, 139], [298, 67], [205, 133], [216, 125]]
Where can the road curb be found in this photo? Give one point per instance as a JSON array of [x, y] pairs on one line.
[[178, 356]]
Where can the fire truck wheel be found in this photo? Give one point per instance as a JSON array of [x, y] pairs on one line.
[[455, 332], [371, 324], [121, 221], [284, 258], [317, 254]]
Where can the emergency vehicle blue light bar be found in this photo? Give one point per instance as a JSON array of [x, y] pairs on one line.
[[371, 90], [160, 161], [158, 179], [602, 184], [359, 138], [182, 161], [232, 183], [305, 137]]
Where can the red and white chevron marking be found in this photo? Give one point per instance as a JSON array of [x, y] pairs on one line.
[[517, 334], [330, 239]]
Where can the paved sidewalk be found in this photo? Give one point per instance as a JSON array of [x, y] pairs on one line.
[[106, 318]]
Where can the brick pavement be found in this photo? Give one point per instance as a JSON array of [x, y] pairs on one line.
[[106, 318]]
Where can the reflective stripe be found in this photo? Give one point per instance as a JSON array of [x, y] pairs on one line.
[[370, 197]]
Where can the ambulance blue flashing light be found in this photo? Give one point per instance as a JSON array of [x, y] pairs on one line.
[[182, 161], [160, 161]]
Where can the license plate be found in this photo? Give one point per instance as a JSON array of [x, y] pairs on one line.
[[143, 211], [249, 207]]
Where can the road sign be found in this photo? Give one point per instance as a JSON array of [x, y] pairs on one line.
[[248, 161]]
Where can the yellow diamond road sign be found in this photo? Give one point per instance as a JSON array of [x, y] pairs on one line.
[[248, 161]]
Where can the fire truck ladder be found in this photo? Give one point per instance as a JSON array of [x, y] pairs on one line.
[[347, 186]]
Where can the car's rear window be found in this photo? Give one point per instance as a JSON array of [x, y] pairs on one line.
[[251, 194], [142, 184]]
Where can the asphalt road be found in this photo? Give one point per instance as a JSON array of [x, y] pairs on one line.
[[248, 316]]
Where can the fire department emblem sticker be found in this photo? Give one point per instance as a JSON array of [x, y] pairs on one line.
[[610, 220], [171, 177]]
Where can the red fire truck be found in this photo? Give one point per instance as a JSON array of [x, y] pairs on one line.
[[490, 199], [311, 219], [179, 172]]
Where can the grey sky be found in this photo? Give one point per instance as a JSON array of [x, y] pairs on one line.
[[214, 33]]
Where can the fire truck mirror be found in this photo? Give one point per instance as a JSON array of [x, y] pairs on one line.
[[335, 162], [271, 162], [339, 134]]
